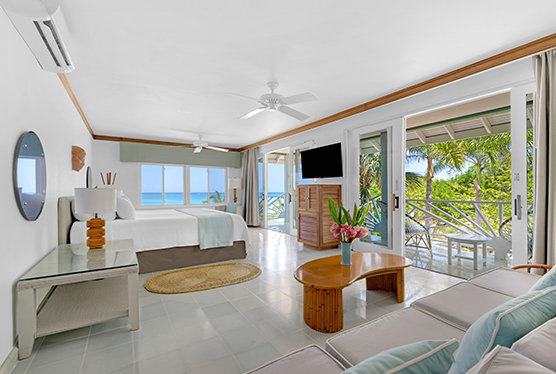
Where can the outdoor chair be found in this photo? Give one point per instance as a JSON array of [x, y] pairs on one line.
[[416, 233]]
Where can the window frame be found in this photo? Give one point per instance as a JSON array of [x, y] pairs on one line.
[[208, 183], [186, 185]]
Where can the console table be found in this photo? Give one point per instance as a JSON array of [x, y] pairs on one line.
[[87, 287], [324, 279]]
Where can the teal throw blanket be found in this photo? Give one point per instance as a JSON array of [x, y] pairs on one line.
[[216, 229]]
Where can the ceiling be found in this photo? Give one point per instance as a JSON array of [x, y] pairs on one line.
[[163, 70]]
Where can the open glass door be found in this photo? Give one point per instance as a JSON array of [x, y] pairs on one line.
[[278, 197], [376, 171], [297, 179], [520, 226]]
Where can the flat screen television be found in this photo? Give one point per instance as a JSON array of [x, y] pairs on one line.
[[322, 162]]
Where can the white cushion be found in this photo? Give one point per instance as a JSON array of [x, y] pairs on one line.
[[125, 209], [86, 217], [502, 360], [539, 345]]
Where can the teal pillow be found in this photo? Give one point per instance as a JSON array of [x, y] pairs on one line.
[[426, 357], [546, 281], [231, 207], [504, 325]]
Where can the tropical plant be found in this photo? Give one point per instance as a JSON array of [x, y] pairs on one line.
[[216, 197], [439, 157], [486, 153], [348, 226]]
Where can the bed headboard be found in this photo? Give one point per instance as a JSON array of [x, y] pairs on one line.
[[65, 219]]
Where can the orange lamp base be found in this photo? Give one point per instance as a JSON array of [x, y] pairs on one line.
[[95, 233]]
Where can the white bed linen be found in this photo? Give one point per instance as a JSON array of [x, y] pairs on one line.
[[157, 229]]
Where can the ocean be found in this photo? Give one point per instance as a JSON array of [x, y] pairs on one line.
[[153, 198]]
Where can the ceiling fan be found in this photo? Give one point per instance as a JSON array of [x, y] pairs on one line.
[[276, 102], [200, 144]]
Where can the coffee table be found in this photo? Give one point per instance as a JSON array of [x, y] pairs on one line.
[[475, 240], [324, 279]]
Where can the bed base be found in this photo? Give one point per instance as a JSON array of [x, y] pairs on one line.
[[179, 257]]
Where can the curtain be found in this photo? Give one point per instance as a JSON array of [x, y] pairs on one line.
[[544, 230], [250, 186]]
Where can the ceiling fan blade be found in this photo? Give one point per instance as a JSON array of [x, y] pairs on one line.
[[198, 149], [293, 113], [216, 148], [301, 98], [253, 112], [240, 95]]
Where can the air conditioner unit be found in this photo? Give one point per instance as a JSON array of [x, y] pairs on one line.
[[43, 27]]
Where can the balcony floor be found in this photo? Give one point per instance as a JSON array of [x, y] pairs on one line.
[[460, 267]]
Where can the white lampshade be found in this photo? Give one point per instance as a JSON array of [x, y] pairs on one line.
[[234, 183], [95, 200]]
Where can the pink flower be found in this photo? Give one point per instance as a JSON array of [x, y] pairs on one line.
[[363, 231], [345, 228], [353, 232], [335, 230]]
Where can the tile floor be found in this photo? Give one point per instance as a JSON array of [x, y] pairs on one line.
[[226, 330]]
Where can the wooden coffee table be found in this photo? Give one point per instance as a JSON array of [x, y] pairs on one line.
[[323, 280]]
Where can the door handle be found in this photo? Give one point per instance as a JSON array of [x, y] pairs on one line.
[[290, 197], [517, 207], [395, 202]]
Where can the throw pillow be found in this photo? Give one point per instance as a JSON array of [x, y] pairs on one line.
[[539, 345], [125, 209], [502, 360], [504, 325], [548, 280], [426, 357], [231, 207]]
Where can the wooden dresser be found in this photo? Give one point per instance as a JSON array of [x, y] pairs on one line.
[[313, 216]]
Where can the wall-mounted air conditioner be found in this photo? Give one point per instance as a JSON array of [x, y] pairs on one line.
[[42, 26]]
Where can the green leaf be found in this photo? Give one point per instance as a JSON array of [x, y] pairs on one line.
[[347, 216]]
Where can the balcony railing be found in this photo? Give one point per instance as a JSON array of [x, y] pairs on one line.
[[275, 207], [486, 218]]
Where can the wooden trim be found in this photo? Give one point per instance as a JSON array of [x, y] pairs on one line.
[[73, 99], [145, 141], [514, 54], [532, 266]]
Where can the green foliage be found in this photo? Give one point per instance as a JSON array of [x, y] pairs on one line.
[[216, 197], [341, 215]]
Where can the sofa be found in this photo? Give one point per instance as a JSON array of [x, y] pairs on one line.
[[453, 320]]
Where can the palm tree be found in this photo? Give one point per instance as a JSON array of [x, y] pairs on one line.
[[216, 197], [370, 174], [486, 153], [439, 157]]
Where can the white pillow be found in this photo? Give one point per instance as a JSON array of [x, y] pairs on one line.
[[539, 345], [502, 360], [86, 217], [125, 208]]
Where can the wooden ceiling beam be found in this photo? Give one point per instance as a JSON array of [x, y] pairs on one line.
[[486, 124], [145, 141], [450, 131], [421, 135]]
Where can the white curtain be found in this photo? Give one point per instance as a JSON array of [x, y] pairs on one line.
[[544, 231], [250, 186]]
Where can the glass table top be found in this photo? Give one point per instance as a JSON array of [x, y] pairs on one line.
[[78, 258]]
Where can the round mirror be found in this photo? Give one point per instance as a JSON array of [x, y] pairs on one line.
[[30, 176]]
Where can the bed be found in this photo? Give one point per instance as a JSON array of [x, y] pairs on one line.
[[164, 238]]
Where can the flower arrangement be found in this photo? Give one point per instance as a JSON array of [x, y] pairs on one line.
[[348, 226]]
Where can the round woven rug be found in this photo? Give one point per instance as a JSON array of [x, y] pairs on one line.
[[202, 278]]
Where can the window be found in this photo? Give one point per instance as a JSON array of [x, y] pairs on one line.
[[162, 185], [207, 185]]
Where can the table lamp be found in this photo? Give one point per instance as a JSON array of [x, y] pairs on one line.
[[95, 200], [234, 183]]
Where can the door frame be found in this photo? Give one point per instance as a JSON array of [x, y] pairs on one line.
[[519, 171], [396, 168]]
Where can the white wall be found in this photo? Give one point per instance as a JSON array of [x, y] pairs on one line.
[[501, 78], [31, 99], [107, 159]]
